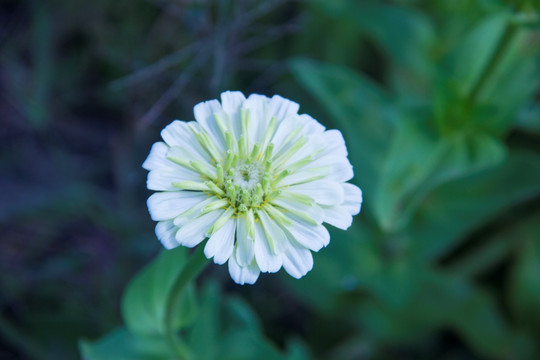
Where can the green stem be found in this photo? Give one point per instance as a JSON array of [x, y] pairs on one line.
[[194, 266], [509, 33]]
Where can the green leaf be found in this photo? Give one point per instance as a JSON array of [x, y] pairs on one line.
[[359, 108], [487, 78], [461, 70], [244, 337], [418, 162], [524, 294], [145, 299], [245, 344], [529, 120], [243, 314], [471, 312], [511, 87], [465, 64], [227, 328], [455, 209], [352, 261], [204, 336], [403, 34], [440, 301], [122, 345]]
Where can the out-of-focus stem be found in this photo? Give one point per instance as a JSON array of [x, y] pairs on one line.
[[194, 266]]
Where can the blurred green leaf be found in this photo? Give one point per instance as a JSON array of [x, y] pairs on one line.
[[512, 86], [360, 109], [465, 64], [488, 77], [461, 71], [441, 301], [471, 312], [529, 120], [455, 209], [122, 345], [204, 336], [418, 162], [243, 314], [524, 294], [356, 261], [245, 344], [404, 34], [145, 299], [227, 328], [481, 258]]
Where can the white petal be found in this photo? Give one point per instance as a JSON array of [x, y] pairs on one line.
[[337, 216], [266, 259], [275, 236], [243, 274], [162, 179], [281, 139], [166, 233], [244, 245], [183, 153], [310, 125], [314, 172], [193, 212], [315, 144], [232, 101], [341, 168], [322, 191], [314, 212], [353, 198], [181, 133], [258, 107], [297, 260], [282, 108], [168, 205], [204, 114], [302, 125], [336, 143], [163, 172], [175, 133], [221, 244], [157, 157], [313, 237], [194, 231]]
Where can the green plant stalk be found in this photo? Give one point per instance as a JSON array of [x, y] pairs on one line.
[[196, 263]]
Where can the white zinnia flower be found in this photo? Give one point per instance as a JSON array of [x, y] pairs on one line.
[[254, 177]]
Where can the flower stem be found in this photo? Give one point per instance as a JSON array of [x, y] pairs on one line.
[[193, 267]]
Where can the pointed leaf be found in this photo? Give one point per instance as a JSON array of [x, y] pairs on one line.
[[144, 301], [122, 345]]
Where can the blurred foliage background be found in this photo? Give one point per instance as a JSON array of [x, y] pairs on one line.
[[438, 101]]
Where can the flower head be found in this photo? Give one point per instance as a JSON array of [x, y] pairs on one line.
[[255, 178]]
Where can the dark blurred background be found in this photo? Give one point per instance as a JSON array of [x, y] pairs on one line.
[[438, 101]]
